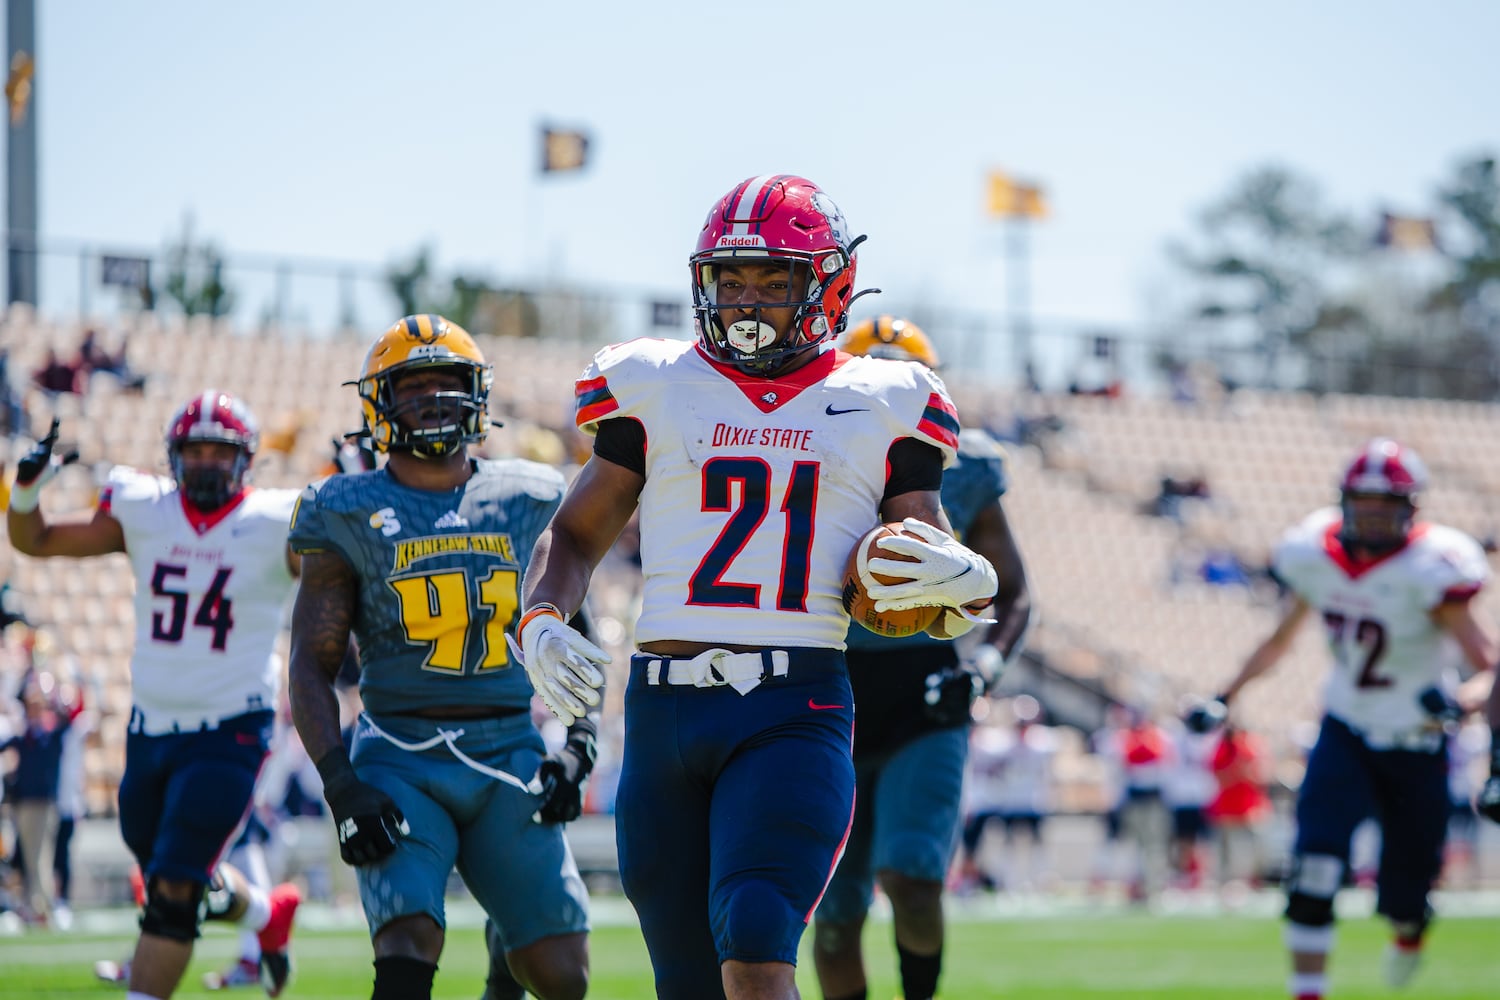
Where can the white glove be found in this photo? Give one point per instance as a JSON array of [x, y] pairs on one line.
[[948, 574], [562, 664]]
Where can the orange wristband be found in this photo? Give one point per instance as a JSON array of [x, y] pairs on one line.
[[540, 609]]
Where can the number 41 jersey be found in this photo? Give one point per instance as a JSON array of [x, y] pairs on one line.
[[757, 489], [210, 595], [439, 578], [1387, 648]]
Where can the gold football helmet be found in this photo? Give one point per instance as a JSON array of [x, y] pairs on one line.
[[416, 342], [889, 337]]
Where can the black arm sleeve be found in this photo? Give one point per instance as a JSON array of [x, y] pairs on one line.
[[623, 442], [915, 465]]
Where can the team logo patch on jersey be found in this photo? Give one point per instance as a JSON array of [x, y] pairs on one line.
[[770, 398], [452, 519], [385, 521]]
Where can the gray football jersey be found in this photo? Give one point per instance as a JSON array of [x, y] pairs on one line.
[[439, 578], [978, 480]]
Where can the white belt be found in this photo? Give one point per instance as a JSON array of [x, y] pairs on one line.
[[449, 736], [717, 667], [162, 724], [1419, 739], [1416, 740]]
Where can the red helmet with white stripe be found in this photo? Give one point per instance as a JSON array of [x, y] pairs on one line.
[[212, 416], [1378, 495], [776, 218]]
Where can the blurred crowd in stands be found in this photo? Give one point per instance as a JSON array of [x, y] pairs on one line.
[[1174, 809]]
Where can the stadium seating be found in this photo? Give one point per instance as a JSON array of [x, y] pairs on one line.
[[1113, 608]]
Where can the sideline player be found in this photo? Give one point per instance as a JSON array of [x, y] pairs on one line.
[[421, 561], [913, 696], [1395, 596], [212, 572], [758, 456]]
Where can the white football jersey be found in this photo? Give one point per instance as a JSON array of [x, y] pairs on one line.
[[1386, 646], [758, 489], [1189, 782], [1010, 771], [209, 599]]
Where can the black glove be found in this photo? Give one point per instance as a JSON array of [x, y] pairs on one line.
[[1440, 705], [562, 775], [39, 458], [950, 692], [1206, 716], [368, 822]]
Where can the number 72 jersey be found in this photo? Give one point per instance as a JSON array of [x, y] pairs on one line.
[[210, 596], [1387, 648]]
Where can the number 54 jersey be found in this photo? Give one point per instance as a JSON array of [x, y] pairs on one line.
[[439, 577], [1386, 646], [757, 489], [210, 595]]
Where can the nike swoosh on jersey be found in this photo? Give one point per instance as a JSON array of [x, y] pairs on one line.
[[853, 409], [820, 708]]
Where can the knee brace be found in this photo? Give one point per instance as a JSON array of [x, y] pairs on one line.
[[1314, 881], [176, 920], [400, 978]]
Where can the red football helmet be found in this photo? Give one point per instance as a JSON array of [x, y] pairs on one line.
[[1378, 495], [776, 217], [212, 416]]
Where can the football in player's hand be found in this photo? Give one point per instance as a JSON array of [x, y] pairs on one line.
[[858, 579]]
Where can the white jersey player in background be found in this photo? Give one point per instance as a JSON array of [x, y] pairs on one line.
[[212, 575], [1395, 597], [1010, 779]]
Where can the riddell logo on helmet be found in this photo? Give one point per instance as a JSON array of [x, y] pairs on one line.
[[742, 241]]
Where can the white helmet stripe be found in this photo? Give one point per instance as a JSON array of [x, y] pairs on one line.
[[745, 207], [206, 410]]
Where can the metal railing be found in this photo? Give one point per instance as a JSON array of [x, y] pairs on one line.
[[310, 296]]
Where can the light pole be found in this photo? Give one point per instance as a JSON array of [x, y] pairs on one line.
[[1017, 203], [21, 153]]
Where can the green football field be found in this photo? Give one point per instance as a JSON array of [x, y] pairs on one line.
[[1061, 952]]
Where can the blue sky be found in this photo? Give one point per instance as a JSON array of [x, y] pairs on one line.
[[361, 131]]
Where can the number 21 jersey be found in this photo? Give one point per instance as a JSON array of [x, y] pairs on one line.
[[757, 489]]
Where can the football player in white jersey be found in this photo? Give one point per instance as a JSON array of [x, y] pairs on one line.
[[213, 572], [758, 457], [1395, 596]]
